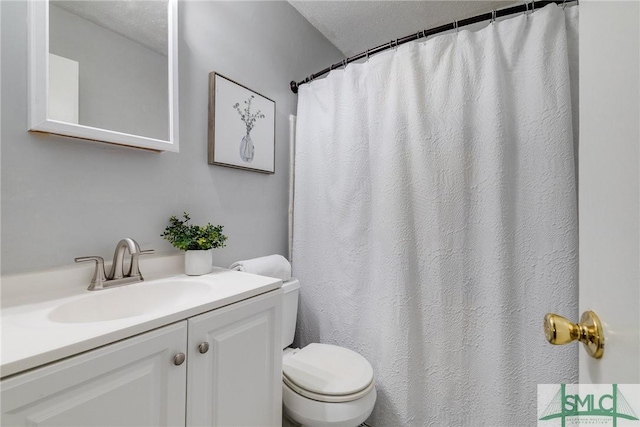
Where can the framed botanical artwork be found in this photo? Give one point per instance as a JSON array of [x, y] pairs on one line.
[[241, 126]]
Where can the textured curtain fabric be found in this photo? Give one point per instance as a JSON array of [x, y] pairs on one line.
[[436, 219]]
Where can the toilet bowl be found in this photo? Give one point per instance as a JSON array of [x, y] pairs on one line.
[[323, 385]]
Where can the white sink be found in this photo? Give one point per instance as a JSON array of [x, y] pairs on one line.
[[128, 301], [63, 319]]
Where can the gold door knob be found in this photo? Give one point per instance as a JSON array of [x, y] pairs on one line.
[[559, 330]]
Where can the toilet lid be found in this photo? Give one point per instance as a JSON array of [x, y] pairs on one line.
[[328, 370]]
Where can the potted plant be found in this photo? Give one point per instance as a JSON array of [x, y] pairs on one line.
[[198, 242]]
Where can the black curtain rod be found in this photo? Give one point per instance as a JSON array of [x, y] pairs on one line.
[[525, 7]]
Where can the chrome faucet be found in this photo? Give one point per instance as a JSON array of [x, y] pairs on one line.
[[117, 276], [117, 268]]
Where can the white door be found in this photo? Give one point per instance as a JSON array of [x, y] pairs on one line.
[[235, 364], [134, 382], [608, 185]]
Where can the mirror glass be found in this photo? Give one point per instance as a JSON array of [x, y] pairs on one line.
[[109, 67]]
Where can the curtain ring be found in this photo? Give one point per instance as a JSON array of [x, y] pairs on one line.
[[526, 8], [396, 44], [344, 63], [533, 6], [455, 26], [493, 17], [367, 54]]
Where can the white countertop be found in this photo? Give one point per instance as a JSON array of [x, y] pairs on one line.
[[31, 338]]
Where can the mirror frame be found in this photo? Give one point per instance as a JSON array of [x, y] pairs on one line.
[[38, 87]]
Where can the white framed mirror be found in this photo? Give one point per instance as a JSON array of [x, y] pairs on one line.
[[105, 70]]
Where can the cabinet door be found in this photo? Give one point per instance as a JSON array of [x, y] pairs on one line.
[[238, 381], [133, 382]]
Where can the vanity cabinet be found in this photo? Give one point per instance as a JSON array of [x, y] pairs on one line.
[[230, 376], [133, 382], [237, 380]]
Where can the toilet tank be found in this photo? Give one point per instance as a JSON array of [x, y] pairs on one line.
[[290, 289]]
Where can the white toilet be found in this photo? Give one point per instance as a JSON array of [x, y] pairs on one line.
[[323, 385]]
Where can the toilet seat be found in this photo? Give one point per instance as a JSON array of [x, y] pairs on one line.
[[328, 398], [328, 373], [311, 413]]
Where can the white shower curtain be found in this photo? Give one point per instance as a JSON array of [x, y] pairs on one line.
[[436, 219]]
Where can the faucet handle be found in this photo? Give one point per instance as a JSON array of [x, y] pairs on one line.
[[97, 259], [134, 269], [99, 277]]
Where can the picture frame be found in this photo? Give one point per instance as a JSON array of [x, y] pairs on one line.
[[241, 126]]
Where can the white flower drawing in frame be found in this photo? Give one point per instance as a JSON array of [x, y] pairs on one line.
[[247, 149], [241, 126]]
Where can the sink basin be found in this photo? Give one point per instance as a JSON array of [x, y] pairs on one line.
[[128, 301]]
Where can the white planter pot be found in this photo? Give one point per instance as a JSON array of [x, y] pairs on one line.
[[197, 263]]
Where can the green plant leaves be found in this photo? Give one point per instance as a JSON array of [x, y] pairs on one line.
[[188, 237]]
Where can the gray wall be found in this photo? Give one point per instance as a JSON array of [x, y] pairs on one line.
[[63, 198], [123, 85]]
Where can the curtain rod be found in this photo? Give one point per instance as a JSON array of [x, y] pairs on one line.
[[526, 7]]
